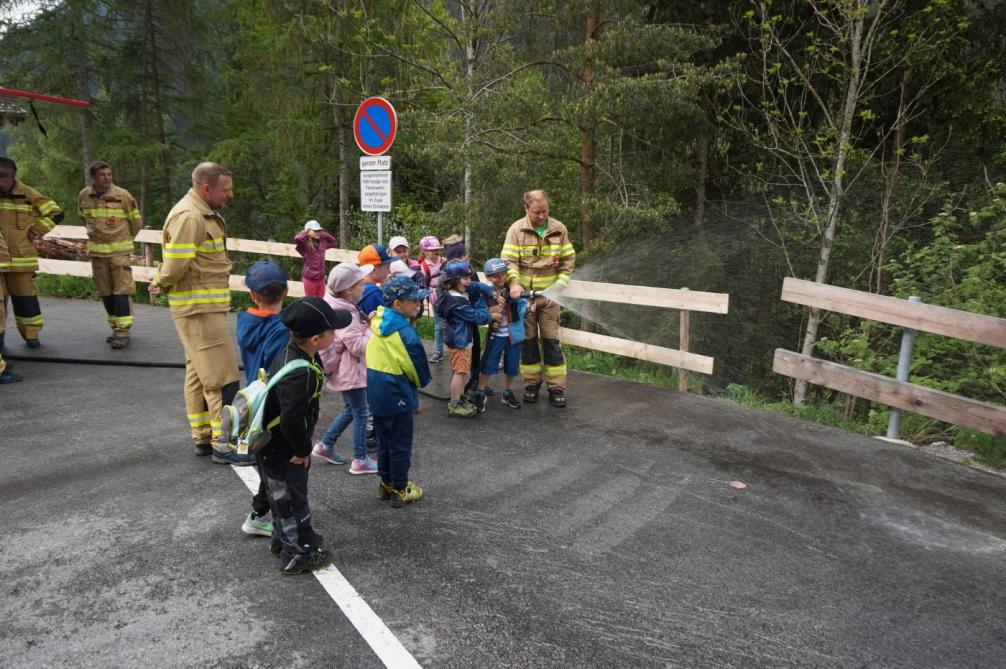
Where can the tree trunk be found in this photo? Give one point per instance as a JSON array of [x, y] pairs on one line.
[[588, 165], [79, 39], [471, 53], [835, 192], [891, 169], [701, 174], [158, 110], [343, 131]]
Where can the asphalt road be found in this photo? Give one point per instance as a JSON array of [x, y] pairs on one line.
[[604, 535]]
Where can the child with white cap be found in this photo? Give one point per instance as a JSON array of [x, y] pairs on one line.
[[399, 246], [345, 364], [311, 243]]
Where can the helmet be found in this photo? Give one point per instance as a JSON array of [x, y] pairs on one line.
[[430, 243], [494, 266], [456, 269]]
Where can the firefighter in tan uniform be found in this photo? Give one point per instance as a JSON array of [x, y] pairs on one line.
[[539, 255], [25, 215], [6, 374], [112, 220], [195, 275]]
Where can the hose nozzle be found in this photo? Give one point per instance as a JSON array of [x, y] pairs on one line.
[[532, 294]]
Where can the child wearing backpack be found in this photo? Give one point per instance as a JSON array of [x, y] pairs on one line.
[[346, 368], [462, 304], [262, 336], [396, 369], [289, 415]]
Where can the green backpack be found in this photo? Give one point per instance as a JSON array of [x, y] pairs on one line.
[[241, 422]]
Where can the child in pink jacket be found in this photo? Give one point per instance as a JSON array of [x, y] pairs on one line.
[[346, 369]]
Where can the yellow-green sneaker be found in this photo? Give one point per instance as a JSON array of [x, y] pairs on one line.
[[413, 493]]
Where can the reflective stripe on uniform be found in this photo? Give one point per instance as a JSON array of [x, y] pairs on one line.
[[105, 212], [121, 321], [20, 262], [47, 207], [555, 370], [110, 247], [173, 250], [536, 282], [530, 369], [199, 419], [215, 245], [28, 320], [8, 206], [200, 296]]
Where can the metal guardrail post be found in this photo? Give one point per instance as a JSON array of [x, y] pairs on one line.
[[683, 347], [904, 365]]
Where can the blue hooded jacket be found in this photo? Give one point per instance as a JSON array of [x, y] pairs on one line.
[[261, 339], [396, 364], [463, 316], [371, 299]]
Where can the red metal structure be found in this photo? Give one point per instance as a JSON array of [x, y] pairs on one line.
[[13, 113]]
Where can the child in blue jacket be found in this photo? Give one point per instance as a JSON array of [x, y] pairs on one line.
[[464, 306], [396, 369], [504, 338]]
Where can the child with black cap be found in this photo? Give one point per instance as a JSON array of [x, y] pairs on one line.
[[290, 415], [396, 369]]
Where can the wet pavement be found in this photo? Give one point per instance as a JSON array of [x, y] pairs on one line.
[[608, 534]]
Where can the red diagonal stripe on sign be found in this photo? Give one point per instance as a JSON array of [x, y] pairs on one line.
[[373, 125]]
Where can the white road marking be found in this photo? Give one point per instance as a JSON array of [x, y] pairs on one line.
[[373, 630]]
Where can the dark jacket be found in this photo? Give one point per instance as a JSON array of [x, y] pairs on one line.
[[261, 338], [463, 313], [294, 401]]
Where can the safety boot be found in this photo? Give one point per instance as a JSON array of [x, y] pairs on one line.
[[118, 340], [7, 376], [557, 398], [32, 343], [304, 562], [531, 394]]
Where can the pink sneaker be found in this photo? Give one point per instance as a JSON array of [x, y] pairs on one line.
[[328, 454], [365, 466]]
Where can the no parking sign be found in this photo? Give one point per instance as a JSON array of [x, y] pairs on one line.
[[374, 126]]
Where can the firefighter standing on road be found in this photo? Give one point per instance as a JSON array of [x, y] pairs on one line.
[[25, 215], [195, 275], [538, 255], [112, 220]]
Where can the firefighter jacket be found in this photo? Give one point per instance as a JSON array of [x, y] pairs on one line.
[[112, 220], [25, 210], [538, 262], [196, 270]]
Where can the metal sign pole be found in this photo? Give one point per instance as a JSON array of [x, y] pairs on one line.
[[380, 228]]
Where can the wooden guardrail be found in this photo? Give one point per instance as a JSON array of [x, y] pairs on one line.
[[982, 416], [683, 299]]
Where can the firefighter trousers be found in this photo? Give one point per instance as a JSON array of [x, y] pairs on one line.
[[113, 277], [22, 290], [211, 373], [541, 329]]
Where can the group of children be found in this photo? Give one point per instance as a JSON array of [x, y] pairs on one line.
[[359, 339]]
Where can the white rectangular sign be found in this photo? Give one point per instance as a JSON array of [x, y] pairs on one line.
[[375, 191], [375, 163]]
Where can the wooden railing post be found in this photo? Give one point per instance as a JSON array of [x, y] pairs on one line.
[[683, 347]]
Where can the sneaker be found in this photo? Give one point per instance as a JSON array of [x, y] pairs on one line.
[[118, 341], [276, 546], [509, 399], [557, 398], [203, 449], [531, 394], [328, 454], [436, 357], [413, 492], [32, 343], [460, 409], [7, 376], [488, 390], [258, 525], [232, 458], [365, 466], [481, 401], [303, 562]]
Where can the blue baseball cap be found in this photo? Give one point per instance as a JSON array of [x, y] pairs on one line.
[[401, 287], [494, 266], [455, 269], [264, 273]]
